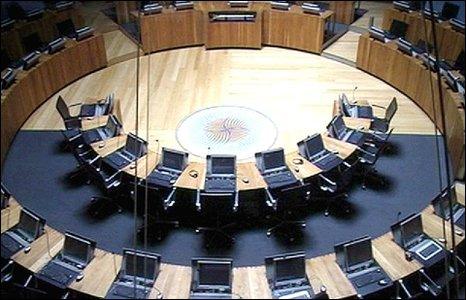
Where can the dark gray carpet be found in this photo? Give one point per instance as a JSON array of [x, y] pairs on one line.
[[35, 168]]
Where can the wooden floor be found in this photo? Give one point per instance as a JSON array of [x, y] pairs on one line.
[[375, 9], [295, 89], [346, 47]]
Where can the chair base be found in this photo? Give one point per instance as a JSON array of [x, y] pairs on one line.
[[102, 205], [217, 233], [157, 228]]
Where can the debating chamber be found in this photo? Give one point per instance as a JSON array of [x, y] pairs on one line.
[[232, 149]]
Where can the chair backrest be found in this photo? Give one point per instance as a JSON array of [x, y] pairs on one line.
[[73, 123], [211, 274], [391, 110], [136, 146], [62, 108], [311, 145]]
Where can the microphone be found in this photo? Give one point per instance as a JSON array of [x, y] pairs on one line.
[[398, 215], [355, 88]]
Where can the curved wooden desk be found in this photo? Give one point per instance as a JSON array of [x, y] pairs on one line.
[[292, 29], [248, 176], [411, 77], [53, 72], [451, 42]]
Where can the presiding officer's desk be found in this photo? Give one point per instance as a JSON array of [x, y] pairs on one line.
[[411, 77], [450, 41], [292, 29], [51, 74]]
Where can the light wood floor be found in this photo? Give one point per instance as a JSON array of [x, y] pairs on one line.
[[346, 46], [375, 9], [295, 89]]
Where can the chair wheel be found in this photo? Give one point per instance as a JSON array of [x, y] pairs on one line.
[[197, 231], [120, 210], [364, 187], [303, 225], [326, 213], [269, 233]]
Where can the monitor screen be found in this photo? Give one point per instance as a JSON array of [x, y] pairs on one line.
[[214, 273], [314, 144], [77, 249], [66, 28], [32, 42], [290, 268], [173, 160], [449, 11], [274, 159], [358, 252], [29, 224], [134, 146], [445, 204], [339, 125], [134, 265], [112, 126], [398, 28], [223, 165], [410, 229]]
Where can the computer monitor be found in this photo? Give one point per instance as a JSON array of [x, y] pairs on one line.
[[313, 145], [212, 274], [78, 249], [30, 224], [134, 262], [221, 165], [66, 28], [135, 145], [173, 159], [356, 253], [398, 28], [441, 203], [32, 42], [273, 159], [449, 11], [290, 267], [410, 229], [113, 126], [338, 125]]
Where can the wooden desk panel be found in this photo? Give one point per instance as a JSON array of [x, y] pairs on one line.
[[451, 42], [332, 277], [250, 172], [391, 257], [36, 85], [344, 11], [433, 227], [233, 34], [172, 29], [146, 165], [10, 215], [108, 146], [186, 181], [91, 123], [294, 29], [99, 274], [300, 170], [42, 250], [173, 281], [251, 283]]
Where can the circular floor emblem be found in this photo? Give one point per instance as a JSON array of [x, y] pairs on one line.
[[226, 130]]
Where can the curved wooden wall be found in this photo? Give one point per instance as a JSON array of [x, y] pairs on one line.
[[53, 72], [411, 77]]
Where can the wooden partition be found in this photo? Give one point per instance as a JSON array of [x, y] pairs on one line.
[[45, 27], [171, 29], [344, 11], [411, 77], [450, 42], [35, 86], [294, 29]]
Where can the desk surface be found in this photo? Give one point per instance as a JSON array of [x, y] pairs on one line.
[[10, 215]]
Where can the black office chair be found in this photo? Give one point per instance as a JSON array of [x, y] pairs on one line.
[[110, 180], [368, 171], [100, 108], [159, 220], [381, 125], [222, 207], [286, 208]]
